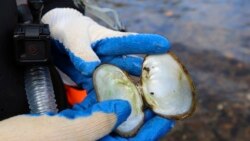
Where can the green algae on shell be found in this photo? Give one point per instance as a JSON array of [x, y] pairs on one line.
[[112, 83]]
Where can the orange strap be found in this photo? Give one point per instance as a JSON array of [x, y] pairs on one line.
[[75, 95]]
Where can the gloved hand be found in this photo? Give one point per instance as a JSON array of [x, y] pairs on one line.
[[153, 129], [80, 45], [75, 124]]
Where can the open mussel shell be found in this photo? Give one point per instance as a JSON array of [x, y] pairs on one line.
[[167, 87], [112, 83]]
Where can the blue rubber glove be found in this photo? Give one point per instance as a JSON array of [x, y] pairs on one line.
[[74, 124], [155, 127], [80, 45]]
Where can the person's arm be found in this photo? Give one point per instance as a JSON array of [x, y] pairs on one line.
[[75, 124]]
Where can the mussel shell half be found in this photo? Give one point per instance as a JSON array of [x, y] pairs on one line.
[[167, 87], [112, 83]]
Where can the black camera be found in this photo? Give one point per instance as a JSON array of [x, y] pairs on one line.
[[32, 44]]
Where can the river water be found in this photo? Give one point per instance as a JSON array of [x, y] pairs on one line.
[[212, 38], [220, 25]]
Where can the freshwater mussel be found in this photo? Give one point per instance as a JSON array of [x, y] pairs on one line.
[[165, 87]]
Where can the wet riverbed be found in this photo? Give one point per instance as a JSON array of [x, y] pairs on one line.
[[212, 38]]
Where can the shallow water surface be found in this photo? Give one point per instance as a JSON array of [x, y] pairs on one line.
[[212, 38]]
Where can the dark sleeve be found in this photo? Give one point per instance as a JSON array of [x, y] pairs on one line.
[[51, 4]]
